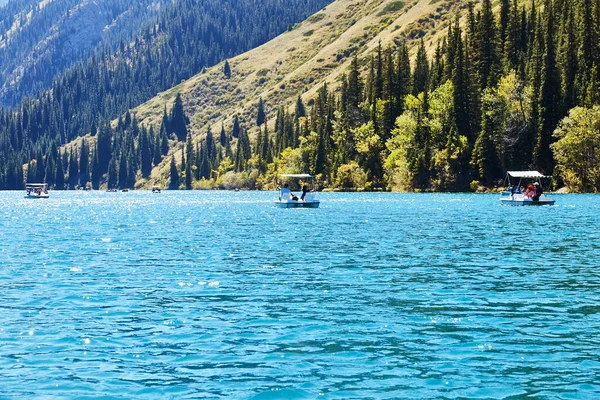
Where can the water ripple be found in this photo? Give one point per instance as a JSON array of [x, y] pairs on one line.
[[220, 295]]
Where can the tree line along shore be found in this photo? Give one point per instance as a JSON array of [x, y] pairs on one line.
[[513, 90]]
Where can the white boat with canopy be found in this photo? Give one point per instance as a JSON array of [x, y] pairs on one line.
[[519, 195], [36, 191], [308, 198]]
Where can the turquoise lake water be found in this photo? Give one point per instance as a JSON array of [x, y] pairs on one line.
[[373, 295]]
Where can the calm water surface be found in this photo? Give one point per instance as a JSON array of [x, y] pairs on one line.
[[220, 295]]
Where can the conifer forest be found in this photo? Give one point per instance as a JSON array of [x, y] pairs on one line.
[[512, 87]]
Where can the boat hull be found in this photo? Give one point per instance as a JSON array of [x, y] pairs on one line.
[[35, 196], [297, 204], [519, 202]]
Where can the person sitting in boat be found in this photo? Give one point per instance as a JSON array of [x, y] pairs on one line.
[[538, 191], [286, 193], [305, 190], [516, 190], [530, 191]]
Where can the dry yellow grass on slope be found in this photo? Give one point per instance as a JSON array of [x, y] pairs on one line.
[[297, 62]]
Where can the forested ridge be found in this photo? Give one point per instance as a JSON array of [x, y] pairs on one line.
[[491, 98], [186, 36], [39, 40]]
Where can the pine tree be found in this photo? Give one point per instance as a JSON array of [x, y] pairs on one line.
[[569, 60], [157, 157], [549, 97], [504, 21], [486, 160], [421, 73], [164, 140], [146, 154], [223, 136], [486, 57], [96, 174], [59, 178], [104, 147], [84, 161], [512, 38], [227, 69], [236, 127], [403, 76], [113, 177], [204, 164], [188, 176], [73, 170], [354, 92], [174, 173], [178, 121], [211, 148], [300, 110], [123, 170], [260, 115]]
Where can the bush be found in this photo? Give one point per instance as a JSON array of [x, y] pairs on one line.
[[476, 186], [576, 154], [391, 7], [351, 176]]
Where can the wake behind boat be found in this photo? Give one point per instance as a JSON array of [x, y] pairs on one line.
[[518, 195], [287, 199], [36, 191]]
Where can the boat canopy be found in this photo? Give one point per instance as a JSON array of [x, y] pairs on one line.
[[295, 176], [36, 185], [526, 174]]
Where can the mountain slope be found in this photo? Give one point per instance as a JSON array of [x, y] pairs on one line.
[[39, 39], [297, 62]]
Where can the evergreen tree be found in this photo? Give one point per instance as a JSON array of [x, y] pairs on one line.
[[204, 164], [178, 121], [421, 73], [236, 127], [146, 154], [164, 140], [174, 183], [486, 57], [549, 97], [157, 157], [59, 178], [96, 174], [403, 76], [84, 161], [260, 115], [223, 136], [73, 170], [300, 110], [486, 160], [227, 69], [113, 177], [123, 182]]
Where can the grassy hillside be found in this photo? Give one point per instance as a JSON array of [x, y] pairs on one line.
[[297, 62]]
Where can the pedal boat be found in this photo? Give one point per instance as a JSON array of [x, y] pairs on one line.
[[36, 191], [514, 197], [286, 200]]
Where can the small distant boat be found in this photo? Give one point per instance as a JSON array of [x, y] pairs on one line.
[[155, 189], [111, 190], [125, 190], [308, 199], [518, 195], [36, 191]]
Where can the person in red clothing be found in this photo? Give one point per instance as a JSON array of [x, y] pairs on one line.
[[530, 191]]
